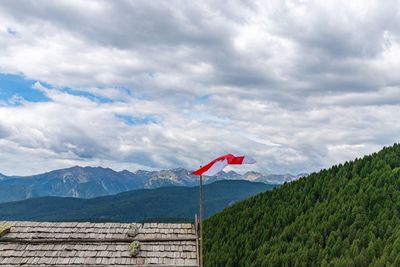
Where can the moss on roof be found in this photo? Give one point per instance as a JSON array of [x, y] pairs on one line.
[[4, 229], [134, 248], [133, 230]]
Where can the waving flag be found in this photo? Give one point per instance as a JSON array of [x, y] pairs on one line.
[[218, 164]]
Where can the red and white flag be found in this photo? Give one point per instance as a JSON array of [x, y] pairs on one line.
[[218, 164]]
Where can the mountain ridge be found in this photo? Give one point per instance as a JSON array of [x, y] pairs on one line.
[[164, 203], [89, 182]]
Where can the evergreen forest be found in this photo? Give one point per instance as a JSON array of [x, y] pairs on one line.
[[347, 215]]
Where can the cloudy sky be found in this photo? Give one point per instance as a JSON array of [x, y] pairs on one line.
[[298, 85]]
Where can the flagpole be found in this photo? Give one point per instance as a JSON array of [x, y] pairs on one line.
[[212, 168], [201, 221]]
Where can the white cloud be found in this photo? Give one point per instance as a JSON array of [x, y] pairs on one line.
[[299, 85]]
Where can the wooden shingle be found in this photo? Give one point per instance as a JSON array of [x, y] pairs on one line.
[[96, 244]]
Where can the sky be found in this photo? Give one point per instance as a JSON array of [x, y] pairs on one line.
[[297, 85]]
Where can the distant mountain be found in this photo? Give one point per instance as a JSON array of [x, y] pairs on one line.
[[174, 177], [271, 178], [73, 182], [89, 182], [183, 177], [161, 204]]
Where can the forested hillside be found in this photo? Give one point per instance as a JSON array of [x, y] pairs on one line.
[[348, 215], [161, 204]]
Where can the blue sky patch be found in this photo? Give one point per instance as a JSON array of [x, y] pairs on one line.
[[202, 99], [12, 85], [92, 97], [131, 120], [16, 85]]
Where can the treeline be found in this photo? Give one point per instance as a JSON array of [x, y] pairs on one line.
[[348, 215]]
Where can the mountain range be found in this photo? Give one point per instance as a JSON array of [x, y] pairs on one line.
[[175, 203], [89, 182]]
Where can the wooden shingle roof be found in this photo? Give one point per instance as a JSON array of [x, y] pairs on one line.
[[97, 244]]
